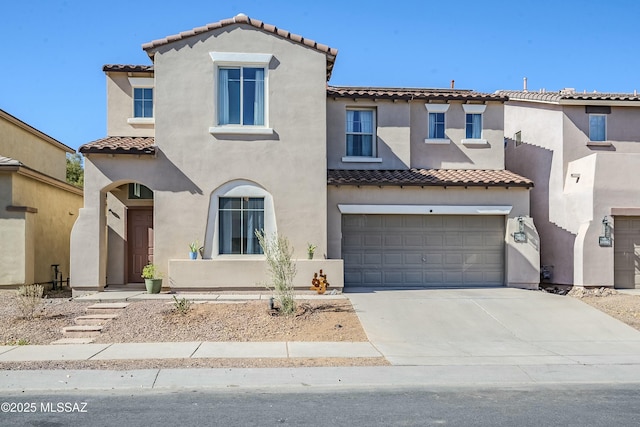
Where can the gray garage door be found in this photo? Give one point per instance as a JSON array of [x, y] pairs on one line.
[[423, 250], [626, 252]]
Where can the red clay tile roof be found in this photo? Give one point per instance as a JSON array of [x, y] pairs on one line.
[[411, 93], [428, 177], [120, 145], [559, 97], [126, 68], [243, 19]]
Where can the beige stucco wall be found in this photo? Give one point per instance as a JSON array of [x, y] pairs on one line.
[[522, 260], [32, 150], [192, 164], [35, 240], [402, 128], [576, 184], [120, 106]]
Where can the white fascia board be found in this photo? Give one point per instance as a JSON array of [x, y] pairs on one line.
[[425, 209]]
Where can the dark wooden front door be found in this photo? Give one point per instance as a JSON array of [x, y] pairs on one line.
[[139, 241]]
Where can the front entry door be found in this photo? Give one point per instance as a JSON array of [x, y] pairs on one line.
[[139, 241]]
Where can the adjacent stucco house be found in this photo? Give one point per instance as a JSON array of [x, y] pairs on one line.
[[583, 151], [234, 128], [37, 206]]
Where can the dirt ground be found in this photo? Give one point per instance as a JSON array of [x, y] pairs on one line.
[[160, 321], [623, 307]]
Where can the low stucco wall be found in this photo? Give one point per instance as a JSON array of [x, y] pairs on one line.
[[243, 274]]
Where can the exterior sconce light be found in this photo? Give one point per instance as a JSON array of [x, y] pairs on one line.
[[605, 239], [520, 236]]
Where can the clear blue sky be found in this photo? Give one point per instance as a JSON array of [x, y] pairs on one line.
[[53, 50]]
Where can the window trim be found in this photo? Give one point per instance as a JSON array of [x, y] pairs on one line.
[[591, 140], [474, 109], [374, 138], [435, 109], [236, 188], [142, 83], [241, 212], [239, 60]]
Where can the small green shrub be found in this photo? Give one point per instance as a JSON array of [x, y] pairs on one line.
[[182, 305], [29, 300]]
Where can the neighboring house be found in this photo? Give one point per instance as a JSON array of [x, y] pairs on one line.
[[233, 128], [583, 152], [38, 207]]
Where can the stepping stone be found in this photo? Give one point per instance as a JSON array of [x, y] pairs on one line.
[[81, 331], [94, 319], [73, 341], [106, 307]]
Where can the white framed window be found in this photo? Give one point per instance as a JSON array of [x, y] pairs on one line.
[[473, 123], [437, 123], [142, 95], [241, 93], [236, 209], [143, 102], [361, 133], [239, 218], [597, 127]]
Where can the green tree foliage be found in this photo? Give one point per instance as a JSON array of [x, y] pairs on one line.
[[75, 170]]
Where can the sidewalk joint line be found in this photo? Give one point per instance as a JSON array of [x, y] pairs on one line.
[[91, 357], [196, 349]]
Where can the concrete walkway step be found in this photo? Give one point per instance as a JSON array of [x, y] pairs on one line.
[[86, 340], [106, 308], [94, 319], [81, 331]]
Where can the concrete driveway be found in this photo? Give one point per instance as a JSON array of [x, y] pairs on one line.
[[495, 326]]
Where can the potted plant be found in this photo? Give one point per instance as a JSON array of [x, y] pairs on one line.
[[152, 278], [193, 249], [311, 248]]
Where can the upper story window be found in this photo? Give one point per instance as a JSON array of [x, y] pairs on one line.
[[241, 93], [241, 96], [473, 123], [361, 133], [437, 123], [597, 127], [143, 102], [142, 88], [239, 218]]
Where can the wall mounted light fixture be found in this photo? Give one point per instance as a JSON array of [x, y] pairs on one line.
[[605, 239], [520, 236]]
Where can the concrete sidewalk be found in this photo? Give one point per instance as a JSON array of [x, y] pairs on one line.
[[186, 350]]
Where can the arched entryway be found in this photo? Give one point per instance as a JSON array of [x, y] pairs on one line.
[[129, 210]]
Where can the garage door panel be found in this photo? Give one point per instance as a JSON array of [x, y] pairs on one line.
[[453, 259], [419, 250], [416, 241], [373, 259], [453, 240], [392, 259]]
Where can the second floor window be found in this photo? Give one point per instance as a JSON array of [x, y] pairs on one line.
[[142, 102], [473, 126], [241, 96], [436, 126], [360, 133], [597, 127]]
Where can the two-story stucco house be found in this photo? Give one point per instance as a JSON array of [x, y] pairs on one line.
[[234, 128], [583, 151], [37, 206]]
